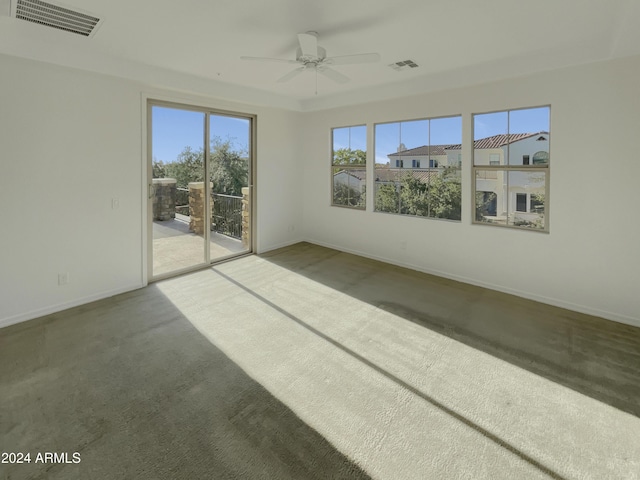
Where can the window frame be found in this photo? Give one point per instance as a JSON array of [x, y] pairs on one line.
[[459, 165], [347, 168], [507, 168]]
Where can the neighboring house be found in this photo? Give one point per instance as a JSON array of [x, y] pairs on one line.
[[522, 189], [355, 179], [423, 163], [427, 156]]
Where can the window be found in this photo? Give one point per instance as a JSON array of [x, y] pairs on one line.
[[487, 204], [349, 166], [425, 190], [536, 203], [519, 185], [540, 158]]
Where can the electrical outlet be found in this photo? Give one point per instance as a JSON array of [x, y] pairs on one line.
[[63, 278], [292, 228], [403, 245], [115, 203]]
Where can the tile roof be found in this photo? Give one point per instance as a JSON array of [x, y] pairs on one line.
[[497, 141], [423, 150], [359, 174]]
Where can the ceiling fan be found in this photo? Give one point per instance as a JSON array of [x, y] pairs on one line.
[[313, 57]]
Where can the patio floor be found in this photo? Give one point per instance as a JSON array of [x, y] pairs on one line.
[[175, 247]]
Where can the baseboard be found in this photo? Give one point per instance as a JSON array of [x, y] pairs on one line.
[[288, 243], [634, 322], [23, 317]]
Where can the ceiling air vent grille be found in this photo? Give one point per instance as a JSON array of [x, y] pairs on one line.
[[56, 17], [403, 65]]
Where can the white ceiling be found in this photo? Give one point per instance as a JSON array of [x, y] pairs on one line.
[[196, 45]]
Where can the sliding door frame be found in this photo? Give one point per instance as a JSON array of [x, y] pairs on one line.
[[148, 104]]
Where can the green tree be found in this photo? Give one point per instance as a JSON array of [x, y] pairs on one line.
[[347, 195], [445, 195], [157, 168], [414, 197], [386, 198], [440, 198], [228, 167], [188, 167], [347, 156]]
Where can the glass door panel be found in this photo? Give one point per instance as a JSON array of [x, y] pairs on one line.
[[229, 176], [177, 192]]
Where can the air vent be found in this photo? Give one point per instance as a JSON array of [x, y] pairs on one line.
[[54, 16], [403, 65]]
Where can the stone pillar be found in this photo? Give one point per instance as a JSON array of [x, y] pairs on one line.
[[197, 207], [246, 217], [164, 198]]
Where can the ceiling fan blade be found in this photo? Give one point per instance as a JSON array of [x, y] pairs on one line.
[[291, 74], [266, 59], [353, 59], [308, 44], [333, 75]]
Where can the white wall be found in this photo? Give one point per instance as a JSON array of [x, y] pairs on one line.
[[70, 142], [588, 262]]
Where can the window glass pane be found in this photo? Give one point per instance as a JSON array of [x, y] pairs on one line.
[[349, 187], [490, 138], [414, 175], [387, 197], [350, 146], [528, 134], [444, 183], [491, 201], [514, 143], [529, 120], [414, 134], [413, 193], [388, 164], [445, 140], [526, 199], [359, 138], [402, 144], [349, 170]]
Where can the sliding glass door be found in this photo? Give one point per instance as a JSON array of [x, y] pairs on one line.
[[230, 140], [194, 222]]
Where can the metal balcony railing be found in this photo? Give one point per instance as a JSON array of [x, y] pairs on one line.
[[227, 215]]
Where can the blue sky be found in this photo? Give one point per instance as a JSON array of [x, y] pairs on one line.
[[174, 129], [531, 120], [440, 131]]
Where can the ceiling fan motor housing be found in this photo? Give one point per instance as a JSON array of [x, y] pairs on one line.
[[322, 54]]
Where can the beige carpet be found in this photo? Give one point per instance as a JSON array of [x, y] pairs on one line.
[[310, 363]]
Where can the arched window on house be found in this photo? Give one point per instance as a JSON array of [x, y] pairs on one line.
[[540, 157]]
